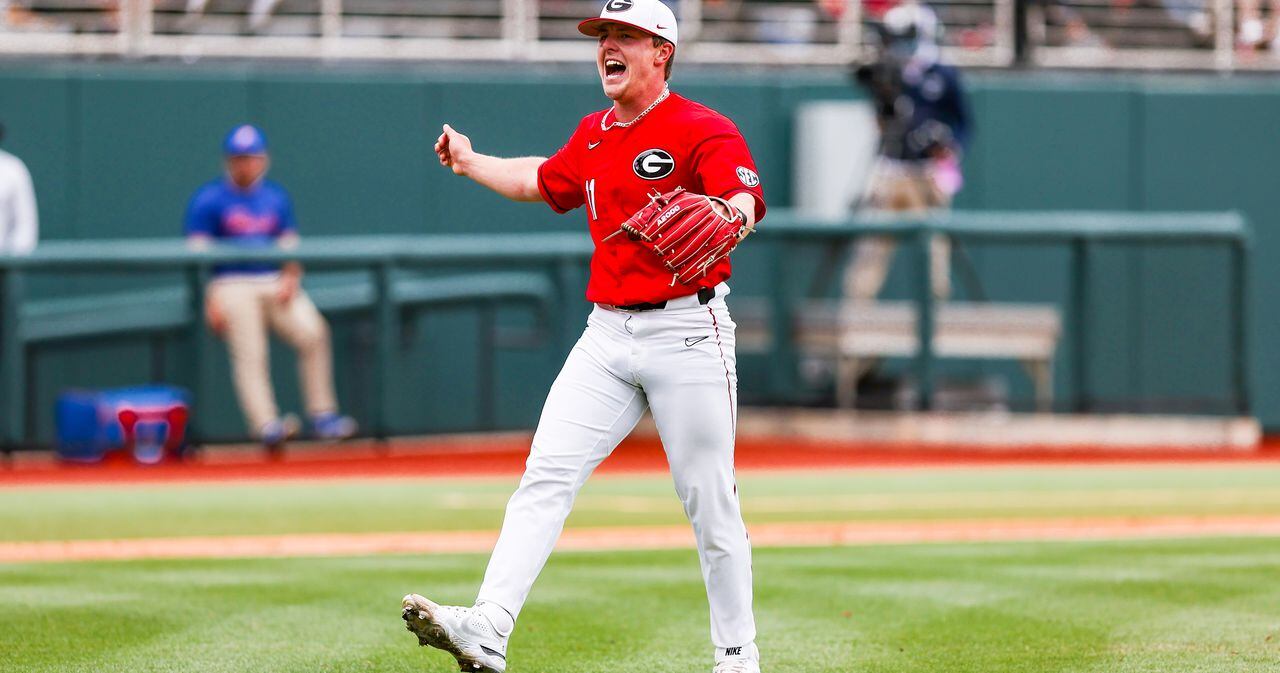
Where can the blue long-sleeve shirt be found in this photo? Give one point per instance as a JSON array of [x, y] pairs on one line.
[[932, 109]]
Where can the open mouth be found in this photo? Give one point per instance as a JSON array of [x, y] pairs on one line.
[[614, 69]]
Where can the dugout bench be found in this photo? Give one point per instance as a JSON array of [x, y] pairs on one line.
[[853, 334], [391, 287]]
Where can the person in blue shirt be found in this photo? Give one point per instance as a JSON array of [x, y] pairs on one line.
[[245, 300], [923, 116]]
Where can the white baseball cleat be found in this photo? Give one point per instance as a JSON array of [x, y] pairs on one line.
[[462, 632], [738, 660], [737, 666]]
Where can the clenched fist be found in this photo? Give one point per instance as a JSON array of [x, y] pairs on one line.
[[453, 149]]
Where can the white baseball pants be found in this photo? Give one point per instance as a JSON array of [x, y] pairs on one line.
[[678, 362]]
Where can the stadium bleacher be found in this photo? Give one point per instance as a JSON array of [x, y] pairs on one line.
[[1164, 34]]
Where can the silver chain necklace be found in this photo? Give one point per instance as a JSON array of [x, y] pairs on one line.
[[661, 97]]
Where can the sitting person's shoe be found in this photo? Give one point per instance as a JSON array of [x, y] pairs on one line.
[[332, 425], [277, 431]]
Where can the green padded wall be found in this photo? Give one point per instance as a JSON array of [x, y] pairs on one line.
[[351, 152], [1058, 143], [38, 109], [117, 149], [520, 115], [1212, 150]]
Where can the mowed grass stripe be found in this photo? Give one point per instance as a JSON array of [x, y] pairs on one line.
[[1122, 607], [145, 511]]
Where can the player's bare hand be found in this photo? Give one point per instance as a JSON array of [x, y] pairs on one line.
[[453, 149], [722, 209], [214, 316], [728, 211]]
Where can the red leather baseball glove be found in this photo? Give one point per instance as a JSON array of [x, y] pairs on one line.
[[690, 232]]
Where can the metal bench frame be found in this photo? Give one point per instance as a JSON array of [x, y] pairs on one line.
[[1080, 230]]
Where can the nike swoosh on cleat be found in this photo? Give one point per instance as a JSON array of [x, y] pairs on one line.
[[693, 341], [493, 653]]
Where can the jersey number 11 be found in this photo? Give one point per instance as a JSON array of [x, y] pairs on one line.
[[591, 196]]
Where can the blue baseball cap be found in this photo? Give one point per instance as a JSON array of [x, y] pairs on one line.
[[244, 139]]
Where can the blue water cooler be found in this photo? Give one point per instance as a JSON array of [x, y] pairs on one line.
[[150, 422]]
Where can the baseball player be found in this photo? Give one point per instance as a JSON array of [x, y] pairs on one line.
[[245, 299], [652, 341]]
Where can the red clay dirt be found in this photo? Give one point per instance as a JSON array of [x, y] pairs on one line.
[[505, 455], [645, 537]]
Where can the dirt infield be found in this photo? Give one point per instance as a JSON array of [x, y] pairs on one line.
[[647, 537], [505, 455]]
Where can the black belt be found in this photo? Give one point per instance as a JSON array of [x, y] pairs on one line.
[[705, 295]]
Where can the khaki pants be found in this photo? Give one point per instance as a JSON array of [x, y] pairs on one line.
[[251, 307], [896, 189]]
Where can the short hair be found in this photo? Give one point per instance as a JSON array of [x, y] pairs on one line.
[[658, 41]]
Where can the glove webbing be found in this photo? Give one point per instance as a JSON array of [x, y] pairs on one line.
[[682, 241]]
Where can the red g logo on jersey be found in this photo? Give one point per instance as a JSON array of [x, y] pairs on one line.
[[653, 164], [618, 5]]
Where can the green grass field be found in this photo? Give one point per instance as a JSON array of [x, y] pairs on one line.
[[185, 509], [1155, 605]]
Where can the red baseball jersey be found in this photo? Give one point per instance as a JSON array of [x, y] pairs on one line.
[[612, 170]]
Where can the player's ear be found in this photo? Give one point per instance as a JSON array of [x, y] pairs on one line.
[[665, 51]]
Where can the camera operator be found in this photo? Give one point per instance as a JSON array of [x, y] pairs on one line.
[[923, 116]]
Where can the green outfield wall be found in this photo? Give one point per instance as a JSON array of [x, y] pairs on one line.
[[115, 151]]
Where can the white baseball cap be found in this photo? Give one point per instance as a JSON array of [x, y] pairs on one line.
[[651, 16]]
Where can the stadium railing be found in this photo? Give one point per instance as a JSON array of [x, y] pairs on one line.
[[1157, 34], [1079, 230], [559, 259], [376, 274]]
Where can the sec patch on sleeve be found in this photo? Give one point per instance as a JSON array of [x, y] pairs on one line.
[[748, 176]]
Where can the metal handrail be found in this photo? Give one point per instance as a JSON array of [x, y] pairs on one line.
[[1025, 225], [329, 251]]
